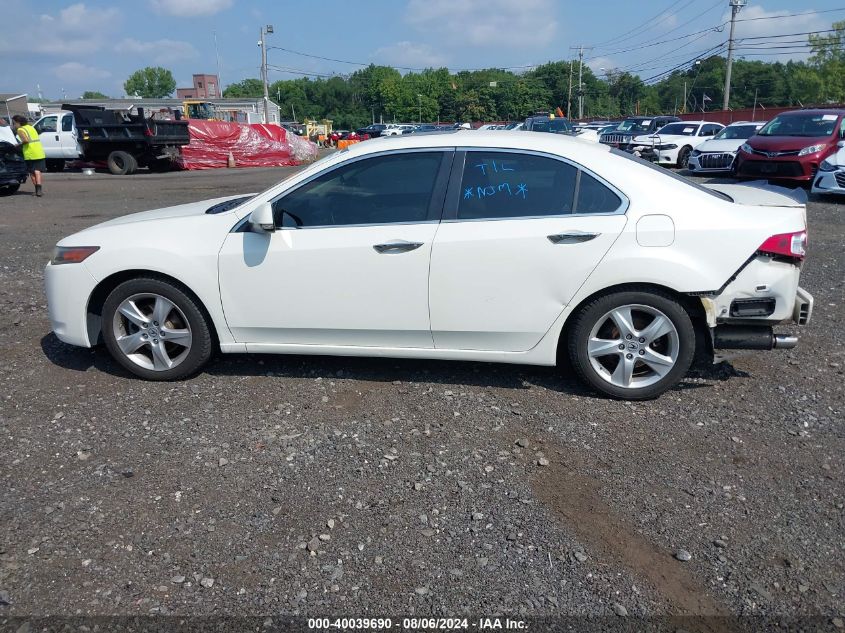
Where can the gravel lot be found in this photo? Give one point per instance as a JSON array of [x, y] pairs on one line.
[[333, 486]]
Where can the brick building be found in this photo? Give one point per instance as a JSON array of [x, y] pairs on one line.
[[205, 87]]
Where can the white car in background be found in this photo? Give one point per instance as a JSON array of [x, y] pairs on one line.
[[673, 143], [831, 176], [478, 246], [718, 153], [396, 129]]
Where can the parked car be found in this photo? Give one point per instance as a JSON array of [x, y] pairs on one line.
[[718, 154], [396, 129], [625, 132], [13, 171], [513, 248], [124, 141], [792, 146], [372, 131], [672, 144], [831, 176], [555, 125], [342, 135], [425, 127]]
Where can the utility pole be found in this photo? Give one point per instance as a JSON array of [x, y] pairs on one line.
[[580, 83], [263, 44], [736, 7], [569, 98], [684, 107]]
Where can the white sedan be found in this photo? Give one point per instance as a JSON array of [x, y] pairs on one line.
[[673, 143], [831, 176], [463, 246], [718, 153]]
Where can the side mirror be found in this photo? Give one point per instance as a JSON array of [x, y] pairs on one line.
[[262, 218], [841, 145]]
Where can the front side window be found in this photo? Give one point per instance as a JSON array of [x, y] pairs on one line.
[[380, 190], [511, 185], [46, 125]]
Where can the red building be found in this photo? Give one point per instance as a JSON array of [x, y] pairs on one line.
[[205, 87]]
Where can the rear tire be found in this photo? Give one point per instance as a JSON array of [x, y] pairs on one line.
[[657, 342], [122, 163], [160, 165], [55, 164], [154, 329], [8, 190]]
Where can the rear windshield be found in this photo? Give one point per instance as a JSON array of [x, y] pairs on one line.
[[551, 125], [736, 132], [670, 174], [679, 129], [801, 125]]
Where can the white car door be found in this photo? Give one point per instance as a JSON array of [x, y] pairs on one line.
[[48, 134], [521, 232], [68, 137], [349, 261]]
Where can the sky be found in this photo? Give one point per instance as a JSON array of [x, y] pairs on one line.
[[67, 47]]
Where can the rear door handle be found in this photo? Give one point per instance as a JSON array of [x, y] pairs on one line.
[[572, 237], [399, 246]]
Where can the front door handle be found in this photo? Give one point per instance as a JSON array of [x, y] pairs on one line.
[[57, 137], [572, 237], [399, 246]]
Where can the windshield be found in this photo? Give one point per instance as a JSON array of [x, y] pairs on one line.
[[679, 129], [551, 125], [801, 125], [736, 132], [634, 125]]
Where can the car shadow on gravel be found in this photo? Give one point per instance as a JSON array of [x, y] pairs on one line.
[[384, 370]]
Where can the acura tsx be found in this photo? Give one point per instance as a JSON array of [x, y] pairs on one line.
[[482, 246]]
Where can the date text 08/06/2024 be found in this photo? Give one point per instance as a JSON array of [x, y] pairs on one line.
[[416, 624]]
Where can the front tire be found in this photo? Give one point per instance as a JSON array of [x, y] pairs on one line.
[[55, 164], [632, 345], [154, 329], [683, 157], [8, 190]]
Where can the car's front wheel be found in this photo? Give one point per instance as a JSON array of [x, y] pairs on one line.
[[683, 157], [156, 330], [632, 345]]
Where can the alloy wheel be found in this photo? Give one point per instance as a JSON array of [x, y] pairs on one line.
[[152, 332], [633, 346]]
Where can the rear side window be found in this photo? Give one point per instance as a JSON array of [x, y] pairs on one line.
[[504, 185], [511, 185], [67, 123]]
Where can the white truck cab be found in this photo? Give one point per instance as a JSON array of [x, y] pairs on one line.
[[57, 133]]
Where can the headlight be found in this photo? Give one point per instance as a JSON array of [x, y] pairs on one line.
[[745, 147], [72, 254], [812, 149], [696, 152], [827, 166]]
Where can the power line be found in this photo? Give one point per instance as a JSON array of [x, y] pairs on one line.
[[622, 38], [789, 15]]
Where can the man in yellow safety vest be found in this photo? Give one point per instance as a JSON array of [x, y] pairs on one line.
[[33, 151]]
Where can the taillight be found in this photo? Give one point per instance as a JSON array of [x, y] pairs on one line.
[[788, 244]]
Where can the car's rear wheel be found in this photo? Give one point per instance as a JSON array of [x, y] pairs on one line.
[[632, 345], [156, 330]]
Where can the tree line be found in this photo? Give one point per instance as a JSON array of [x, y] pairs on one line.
[[383, 93]]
